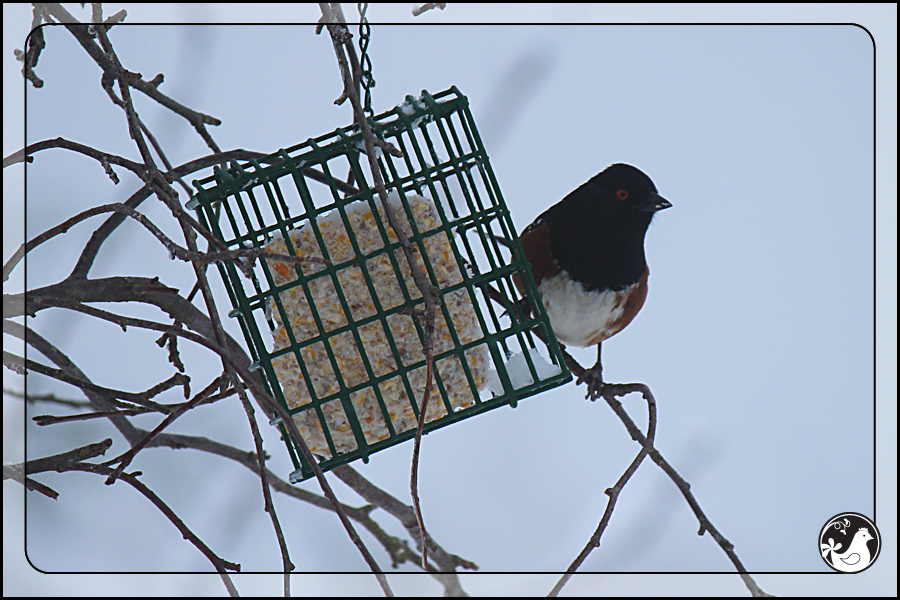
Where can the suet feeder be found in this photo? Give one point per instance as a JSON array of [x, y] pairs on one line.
[[336, 336]]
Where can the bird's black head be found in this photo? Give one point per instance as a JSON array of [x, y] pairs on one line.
[[606, 217], [621, 189]]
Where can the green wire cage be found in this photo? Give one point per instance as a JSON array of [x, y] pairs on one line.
[[334, 334]]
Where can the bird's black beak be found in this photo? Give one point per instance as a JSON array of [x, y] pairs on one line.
[[653, 203]]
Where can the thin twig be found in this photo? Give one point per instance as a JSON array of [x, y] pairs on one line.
[[26, 154], [51, 398], [61, 360], [102, 58], [36, 45], [22, 365], [418, 10], [420, 428], [286, 565], [44, 420], [175, 251], [159, 150], [61, 462], [63, 227], [609, 394], [58, 462], [126, 458], [610, 391], [683, 486], [430, 293], [405, 514], [221, 565], [16, 473]]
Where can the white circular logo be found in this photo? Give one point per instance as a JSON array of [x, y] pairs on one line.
[[849, 542]]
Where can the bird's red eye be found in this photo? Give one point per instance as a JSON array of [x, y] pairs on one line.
[[622, 195]]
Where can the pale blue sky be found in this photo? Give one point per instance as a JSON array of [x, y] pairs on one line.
[[756, 337]]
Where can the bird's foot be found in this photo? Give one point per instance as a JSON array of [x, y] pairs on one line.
[[593, 378]]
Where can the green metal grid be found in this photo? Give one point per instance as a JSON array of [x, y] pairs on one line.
[[445, 161]]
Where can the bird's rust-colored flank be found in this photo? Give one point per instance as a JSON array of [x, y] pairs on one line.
[[633, 302], [536, 244]]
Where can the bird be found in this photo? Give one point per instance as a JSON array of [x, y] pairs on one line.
[[587, 258], [855, 558]]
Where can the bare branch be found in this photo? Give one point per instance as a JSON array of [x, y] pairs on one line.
[[123, 460], [62, 462], [15, 472], [175, 251], [286, 564], [36, 45], [26, 154], [44, 420], [609, 394], [158, 184], [59, 462], [101, 57], [52, 398], [20, 366], [683, 486], [116, 18], [63, 227], [405, 514], [60, 359], [92, 248], [418, 10], [430, 293], [218, 563], [112, 289]]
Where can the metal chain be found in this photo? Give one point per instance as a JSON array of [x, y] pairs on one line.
[[365, 63]]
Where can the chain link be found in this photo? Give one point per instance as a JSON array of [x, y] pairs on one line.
[[365, 63]]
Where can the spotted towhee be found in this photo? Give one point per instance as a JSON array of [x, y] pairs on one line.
[[587, 259]]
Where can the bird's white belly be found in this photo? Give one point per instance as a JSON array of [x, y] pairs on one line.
[[580, 317]]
